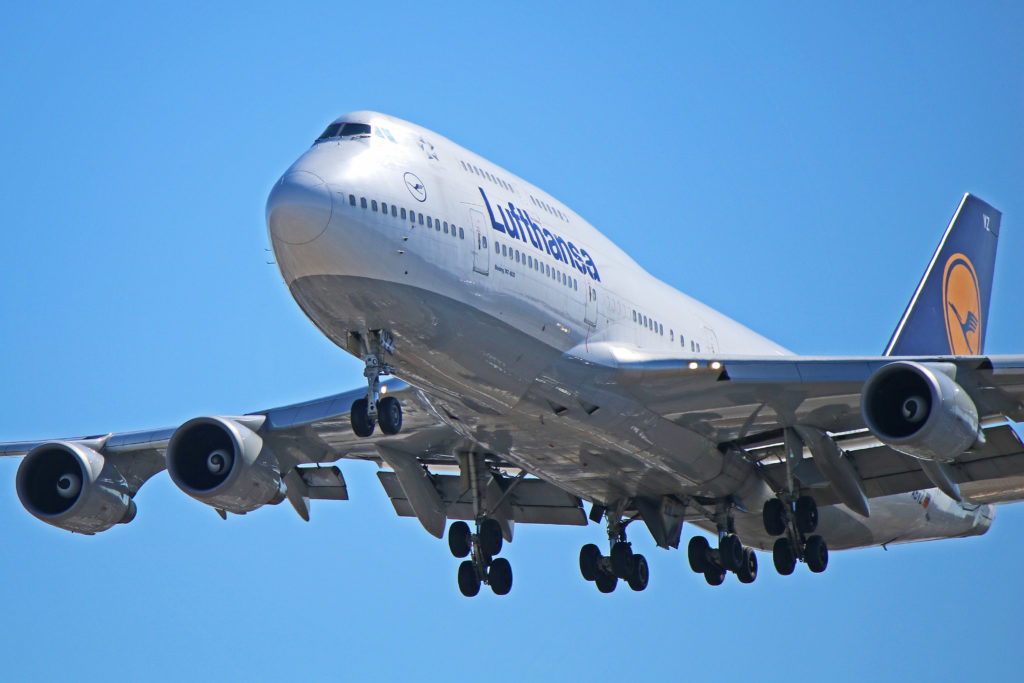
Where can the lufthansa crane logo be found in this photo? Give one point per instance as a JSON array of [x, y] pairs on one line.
[[416, 187], [961, 302]]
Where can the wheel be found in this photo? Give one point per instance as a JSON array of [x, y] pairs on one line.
[[730, 551], [499, 575], [458, 539], [697, 554], [589, 556], [783, 557], [469, 582], [748, 569], [362, 425], [816, 554], [638, 580], [774, 517], [714, 576], [389, 415], [806, 515], [605, 581], [490, 537], [622, 560]]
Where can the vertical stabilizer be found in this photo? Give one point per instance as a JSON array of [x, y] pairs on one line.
[[949, 310]]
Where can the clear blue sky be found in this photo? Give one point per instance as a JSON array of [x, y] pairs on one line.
[[789, 164]]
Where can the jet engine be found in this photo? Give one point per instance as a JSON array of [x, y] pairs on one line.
[[73, 487], [222, 463], [919, 410]]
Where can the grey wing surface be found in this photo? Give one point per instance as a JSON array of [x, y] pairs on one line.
[[750, 402], [284, 453]]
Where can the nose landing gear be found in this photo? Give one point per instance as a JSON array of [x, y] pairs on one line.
[[376, 409]]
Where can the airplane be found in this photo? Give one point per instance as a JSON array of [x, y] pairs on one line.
[[518, 365]]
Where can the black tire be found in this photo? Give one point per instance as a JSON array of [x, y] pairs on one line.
[[622, 560], [697, 554], [469, 582], [605, 581], [360, 419], [641, 573], [589, 556], [773, 514], [714, 576], [730, 552], [389, 415], [784, 557], [816, 554], [490, 537], [459, 539], [499, 575], [806, 515], [748, 570]]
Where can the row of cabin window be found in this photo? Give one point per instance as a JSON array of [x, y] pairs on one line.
[[535, 263], [470, 168], [550, 209], [398, 212], [658, 328], [649, 323]]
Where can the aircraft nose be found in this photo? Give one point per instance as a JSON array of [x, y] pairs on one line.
[[299, 207]]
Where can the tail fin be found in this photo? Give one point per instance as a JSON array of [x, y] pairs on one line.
[[949, 310]]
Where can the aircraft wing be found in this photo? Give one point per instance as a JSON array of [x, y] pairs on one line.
[[749, 402], [302, 440]]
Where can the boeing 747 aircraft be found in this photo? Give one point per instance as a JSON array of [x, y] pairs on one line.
[[540, 375]]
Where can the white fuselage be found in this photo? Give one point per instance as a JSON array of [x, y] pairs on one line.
[[487, 284]]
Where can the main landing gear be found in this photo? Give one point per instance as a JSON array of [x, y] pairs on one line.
[[376, 409], [481, 548], [730, 556], [621, 562], [795, 523]]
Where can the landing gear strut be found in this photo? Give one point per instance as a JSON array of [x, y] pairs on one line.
[[621, 562], [481, 546], [730, 556], [796, 523], [376, 408]]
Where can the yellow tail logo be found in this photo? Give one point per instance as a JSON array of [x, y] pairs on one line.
[[961, 302]]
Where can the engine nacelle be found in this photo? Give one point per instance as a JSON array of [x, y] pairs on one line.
[[221, 463], [73, 487], [919, 410]]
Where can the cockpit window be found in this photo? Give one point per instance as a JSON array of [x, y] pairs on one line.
[[355, 129], [344, 130], [330, 132]]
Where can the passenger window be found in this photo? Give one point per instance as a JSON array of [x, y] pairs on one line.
[[421, 219], [429, 224], [446, 228], [373, 204], [383, 208], [362, 202], [503, 251], [575, 284], [412, 215], [403, 213], [394, 211], [497, 248], [462, 235], [352, 199], [484, 239], [634, 316]]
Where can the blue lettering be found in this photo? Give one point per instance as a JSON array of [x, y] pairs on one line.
[[500, 227]]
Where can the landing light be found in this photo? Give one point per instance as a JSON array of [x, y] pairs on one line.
[[383, 390], [693, 365], [715, 365]]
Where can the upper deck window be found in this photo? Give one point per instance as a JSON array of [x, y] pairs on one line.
[[344, 130]]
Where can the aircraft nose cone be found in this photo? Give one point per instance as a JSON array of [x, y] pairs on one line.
[[299, 207]]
